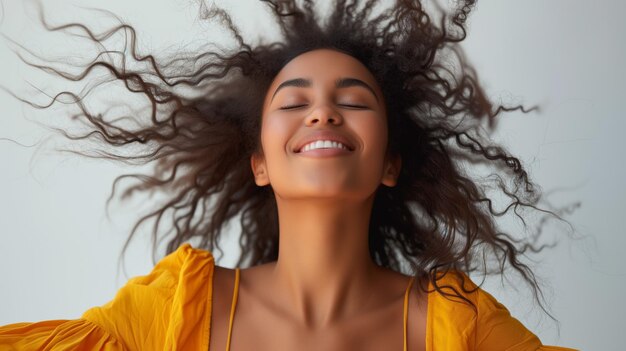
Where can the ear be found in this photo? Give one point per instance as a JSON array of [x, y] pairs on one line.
[[391, 173], [259, 169]]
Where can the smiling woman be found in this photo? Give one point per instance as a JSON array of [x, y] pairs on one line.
[[342, 148], [321, 108]]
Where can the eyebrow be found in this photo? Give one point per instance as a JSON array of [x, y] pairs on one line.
[[340, 83]]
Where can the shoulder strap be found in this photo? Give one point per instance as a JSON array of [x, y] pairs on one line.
[[406, 310], [232, 308]]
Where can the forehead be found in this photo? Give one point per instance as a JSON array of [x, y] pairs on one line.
[[324, 66]]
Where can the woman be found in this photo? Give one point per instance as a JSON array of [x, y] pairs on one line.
[[343, 147]]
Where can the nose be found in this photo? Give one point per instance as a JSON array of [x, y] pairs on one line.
[[324, 114]]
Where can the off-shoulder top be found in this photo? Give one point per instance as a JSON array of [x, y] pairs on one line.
[[170, 309]]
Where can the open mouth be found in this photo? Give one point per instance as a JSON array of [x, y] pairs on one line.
[[324, 145]]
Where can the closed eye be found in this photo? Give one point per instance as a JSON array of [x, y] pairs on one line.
[[353, 106], [291, 107]]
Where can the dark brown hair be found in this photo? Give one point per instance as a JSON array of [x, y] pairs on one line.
[[438, 217]]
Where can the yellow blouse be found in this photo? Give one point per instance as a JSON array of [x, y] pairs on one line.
[[170, 309]]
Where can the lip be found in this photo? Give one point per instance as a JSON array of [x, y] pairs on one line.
[[323, 135]]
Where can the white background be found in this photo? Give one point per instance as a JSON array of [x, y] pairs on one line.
[[58, 253]]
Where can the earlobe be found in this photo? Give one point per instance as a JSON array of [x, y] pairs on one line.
[[392, 171], [259, 171]]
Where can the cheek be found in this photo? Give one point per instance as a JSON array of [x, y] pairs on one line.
[[275, 132], [373, 133]]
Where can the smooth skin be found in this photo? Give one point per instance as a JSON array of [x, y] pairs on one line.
[[324, 292]]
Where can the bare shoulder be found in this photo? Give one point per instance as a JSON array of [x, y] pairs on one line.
[[416, 305], [223, 285], [399, 282]]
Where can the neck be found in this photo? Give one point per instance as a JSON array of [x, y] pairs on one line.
[[324, 267]]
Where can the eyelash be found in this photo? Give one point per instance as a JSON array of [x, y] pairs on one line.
[[344, 105]]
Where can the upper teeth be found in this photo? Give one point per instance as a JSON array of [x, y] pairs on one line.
[[323, 144]]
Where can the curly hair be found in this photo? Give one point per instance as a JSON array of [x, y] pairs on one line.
[[437, 218]]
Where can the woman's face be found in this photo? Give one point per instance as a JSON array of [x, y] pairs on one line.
[[327, 95]]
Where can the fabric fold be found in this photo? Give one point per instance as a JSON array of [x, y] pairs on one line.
[[454, 324], [57, 335], [167, 309]]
